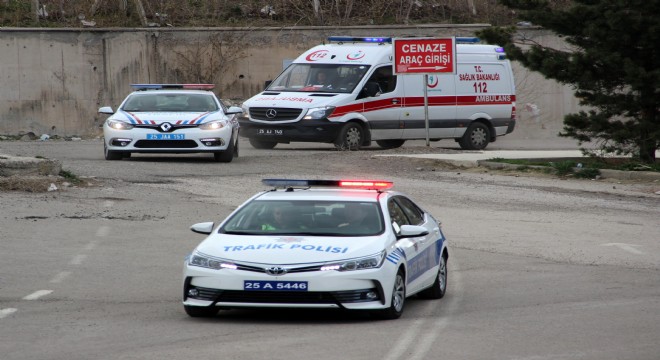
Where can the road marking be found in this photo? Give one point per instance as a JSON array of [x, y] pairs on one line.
[[6, 312], [78, 259], [406, 341], [37, 294], [60, 277], [625, 247]]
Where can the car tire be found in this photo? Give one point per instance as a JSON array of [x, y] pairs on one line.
[[390, 144], [111, 155], [226, 156], [263, 145], [350, 137], [398, 300], [201, 311], [476, 137], [439, 287]]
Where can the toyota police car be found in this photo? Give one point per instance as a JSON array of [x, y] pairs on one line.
[[171, 118], [350, 244]]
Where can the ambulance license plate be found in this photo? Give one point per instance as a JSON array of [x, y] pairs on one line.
[[267, 132], [260, 285]]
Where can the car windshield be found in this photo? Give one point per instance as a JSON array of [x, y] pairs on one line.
[[313, 218], [142, 102], [332, 78]]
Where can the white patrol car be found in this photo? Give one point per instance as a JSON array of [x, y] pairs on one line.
[[171, 118], [347, 93], [318, 244]]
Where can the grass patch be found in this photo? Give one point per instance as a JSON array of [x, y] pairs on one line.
[[70, 177], [562, 165]]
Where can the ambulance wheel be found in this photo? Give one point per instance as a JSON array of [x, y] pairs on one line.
[[259, 144], [390, 144], [111, 155], [398, 299], [350, 137], [226, 156], [476, 137], [439, 287], [201, 311]]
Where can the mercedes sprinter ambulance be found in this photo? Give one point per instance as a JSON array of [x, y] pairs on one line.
[[345, 92]]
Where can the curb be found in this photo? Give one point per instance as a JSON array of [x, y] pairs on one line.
[[605, 173]]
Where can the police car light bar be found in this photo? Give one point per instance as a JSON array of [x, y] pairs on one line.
[[353, 184], [360, 39], [173, 86]]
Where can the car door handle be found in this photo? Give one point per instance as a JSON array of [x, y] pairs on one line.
[[395, 101]]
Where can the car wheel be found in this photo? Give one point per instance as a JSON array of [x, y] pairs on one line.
[[264, 145], [390, 144], [439, 287], [111, 155], [350, 137], [201, 311], [476, 137], [226, 155], [398, 298]]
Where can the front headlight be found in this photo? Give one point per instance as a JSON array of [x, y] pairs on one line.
[[369, 262], [212, 125], [319, 113], [200, 260], [119, 125]]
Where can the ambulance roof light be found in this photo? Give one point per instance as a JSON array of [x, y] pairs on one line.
[[467, 40], [360, 39], [353, 184], [173, 86]]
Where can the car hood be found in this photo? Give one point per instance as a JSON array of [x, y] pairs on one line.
[[299, 100], [158, 117], [284, 250]]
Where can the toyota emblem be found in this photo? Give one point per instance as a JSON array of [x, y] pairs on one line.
[[271, 113], [275, 270], [165, 127]]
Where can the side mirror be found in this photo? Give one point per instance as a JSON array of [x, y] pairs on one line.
[[412, 231], [267, 83], [234, 110], [371, 89], [202, 228], [106, 110]]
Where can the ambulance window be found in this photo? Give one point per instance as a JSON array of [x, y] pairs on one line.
[[385, 79]]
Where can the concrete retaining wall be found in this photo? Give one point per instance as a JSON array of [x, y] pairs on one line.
[[54, 80]]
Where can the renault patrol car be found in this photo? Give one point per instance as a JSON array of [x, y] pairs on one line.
[[171, 118], [348, 244]]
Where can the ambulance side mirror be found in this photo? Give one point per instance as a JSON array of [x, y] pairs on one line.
[[371, 89]]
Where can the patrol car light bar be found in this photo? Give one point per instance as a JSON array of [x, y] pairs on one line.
[[360, 39], [354, 184], [173, 86]]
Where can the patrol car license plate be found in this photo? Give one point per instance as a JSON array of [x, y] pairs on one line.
[[270, 132], [258, 285], [166, 136]]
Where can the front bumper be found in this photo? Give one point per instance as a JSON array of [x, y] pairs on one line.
[[191, 140], [357, 290], [284, 132]]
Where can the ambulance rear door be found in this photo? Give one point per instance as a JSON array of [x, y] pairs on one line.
[[441, 93]]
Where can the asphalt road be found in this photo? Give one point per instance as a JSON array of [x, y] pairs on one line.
[[540, 268]]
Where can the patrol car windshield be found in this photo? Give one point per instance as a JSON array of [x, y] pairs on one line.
[[180, 102], [332, 78], [312, 218]]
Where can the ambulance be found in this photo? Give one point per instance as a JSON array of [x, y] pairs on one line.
[[346, 92]]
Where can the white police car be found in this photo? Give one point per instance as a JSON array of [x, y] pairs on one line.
[[318, 244], [171, 118]]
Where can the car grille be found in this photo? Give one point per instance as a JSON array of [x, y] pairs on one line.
[[281, 114], [163, 144], [283, 297]]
